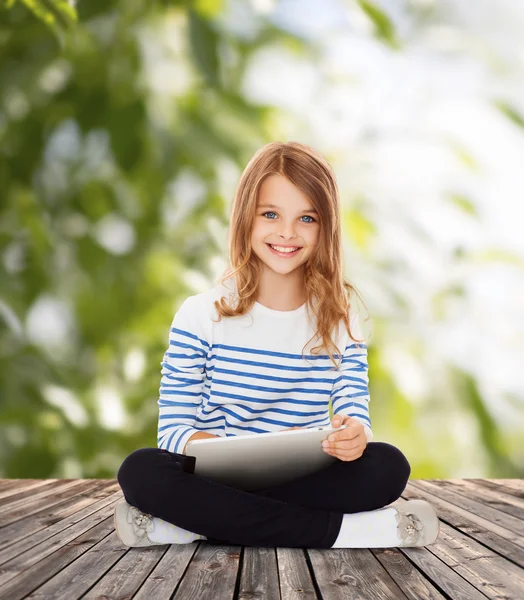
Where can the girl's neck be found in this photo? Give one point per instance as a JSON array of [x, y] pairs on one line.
[[281, 292]]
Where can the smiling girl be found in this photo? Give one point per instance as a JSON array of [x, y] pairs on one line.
[[241, 360]]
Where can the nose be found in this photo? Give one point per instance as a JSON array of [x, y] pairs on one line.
[[287, 232]]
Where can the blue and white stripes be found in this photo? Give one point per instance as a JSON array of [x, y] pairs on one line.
[[350, 394], [227, 379], [182, 382]]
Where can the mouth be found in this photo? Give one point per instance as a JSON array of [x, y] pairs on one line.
[[284, 254]]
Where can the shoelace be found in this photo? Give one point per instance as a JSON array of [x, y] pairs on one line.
[[142, 522], [409, 527]]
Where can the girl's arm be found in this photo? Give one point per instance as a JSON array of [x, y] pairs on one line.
[[200, 435], [183, 377], [350, 393]]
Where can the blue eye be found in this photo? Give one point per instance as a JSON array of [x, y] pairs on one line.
[[270, 212]]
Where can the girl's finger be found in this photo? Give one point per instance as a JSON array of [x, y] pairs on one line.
[[347, 456], [350, 455], [343, 447]]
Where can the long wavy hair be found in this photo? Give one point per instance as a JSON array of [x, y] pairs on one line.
[[328, 293]]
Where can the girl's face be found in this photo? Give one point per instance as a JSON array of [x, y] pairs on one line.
[[284, 217]]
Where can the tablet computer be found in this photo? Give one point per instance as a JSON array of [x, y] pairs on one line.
[[260, 460]]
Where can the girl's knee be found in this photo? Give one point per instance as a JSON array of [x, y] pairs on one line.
[[136, 464], [397, 461], [391, 456], [397, 467]]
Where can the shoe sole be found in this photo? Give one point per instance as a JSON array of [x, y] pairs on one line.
[[120, 513], [128, 537], [429, 518]]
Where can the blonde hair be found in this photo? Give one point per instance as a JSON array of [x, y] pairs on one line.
[[327, 291]]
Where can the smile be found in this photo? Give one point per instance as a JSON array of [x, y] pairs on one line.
[[284, 253]]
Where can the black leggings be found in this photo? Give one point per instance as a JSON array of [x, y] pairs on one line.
[[304, 513]]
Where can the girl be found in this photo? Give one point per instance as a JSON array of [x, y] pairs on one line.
[[248, 371]]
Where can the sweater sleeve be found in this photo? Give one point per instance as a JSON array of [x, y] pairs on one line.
[[183, 378], [350, 394]]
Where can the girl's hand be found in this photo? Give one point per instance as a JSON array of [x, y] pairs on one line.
[[346, 444], [290, 428]]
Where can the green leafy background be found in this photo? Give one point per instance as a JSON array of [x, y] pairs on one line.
[[113, 209]]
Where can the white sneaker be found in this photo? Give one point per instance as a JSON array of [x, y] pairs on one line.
[[132, 525], [418, 523]]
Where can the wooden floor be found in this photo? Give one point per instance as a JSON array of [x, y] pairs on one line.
[[57, 540]]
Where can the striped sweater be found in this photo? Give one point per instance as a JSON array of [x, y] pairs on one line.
[[246, 374]]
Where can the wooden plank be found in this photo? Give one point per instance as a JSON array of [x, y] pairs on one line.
[[515, 484], [489, 572], [126, 576], [509, 504], [500, 487], [491, 516], [74, 568], [69, 550], [259, 577], [6, 483], [211, 574], [11, 486], [28, 570], [352, 574], [412, 582], [164, 578], [450, 582], [477, 527], [31, 502], [22, 490], [22, 535], [29, 491], [294, 575]]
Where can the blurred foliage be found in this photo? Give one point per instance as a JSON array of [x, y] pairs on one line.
[[59, 15], [102, 141], [84, 146], [383, 26]]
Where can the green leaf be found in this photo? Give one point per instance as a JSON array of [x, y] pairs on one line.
[[204, 40], [383, 26], [464, 203], [510, 112], [58, 15]]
